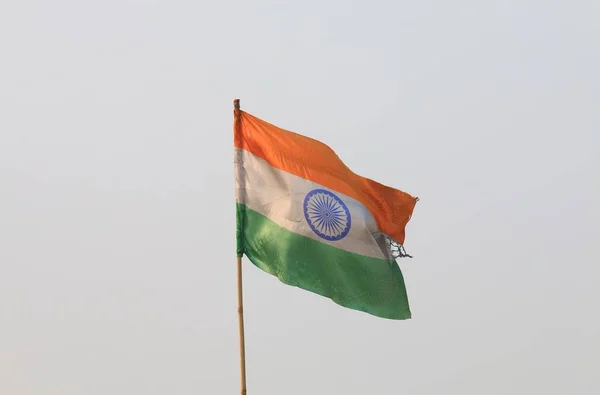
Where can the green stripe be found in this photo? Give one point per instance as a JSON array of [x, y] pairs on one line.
[[354, 281]]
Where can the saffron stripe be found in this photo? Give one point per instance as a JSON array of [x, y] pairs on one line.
[[314, 161]]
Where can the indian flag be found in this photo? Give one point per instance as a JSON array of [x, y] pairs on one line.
[[306, 218]]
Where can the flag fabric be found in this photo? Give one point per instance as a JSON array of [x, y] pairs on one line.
[[306, 218]]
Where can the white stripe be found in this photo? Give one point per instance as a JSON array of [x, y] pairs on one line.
[[280, 195]]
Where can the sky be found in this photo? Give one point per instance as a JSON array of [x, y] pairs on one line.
[[117, 218]]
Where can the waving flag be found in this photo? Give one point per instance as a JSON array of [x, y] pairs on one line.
[[306, 218]]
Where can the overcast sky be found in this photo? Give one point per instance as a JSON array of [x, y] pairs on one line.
[[117, 219]]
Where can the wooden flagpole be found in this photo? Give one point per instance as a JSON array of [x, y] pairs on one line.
[[241, 324], [236, 108]]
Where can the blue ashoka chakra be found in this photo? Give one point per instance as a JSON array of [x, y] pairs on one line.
[[327, 215]]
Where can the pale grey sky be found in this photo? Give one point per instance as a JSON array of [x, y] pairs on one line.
[[117, 268]]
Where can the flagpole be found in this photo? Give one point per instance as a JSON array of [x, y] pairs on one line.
[[236, 112], [241, 325]]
